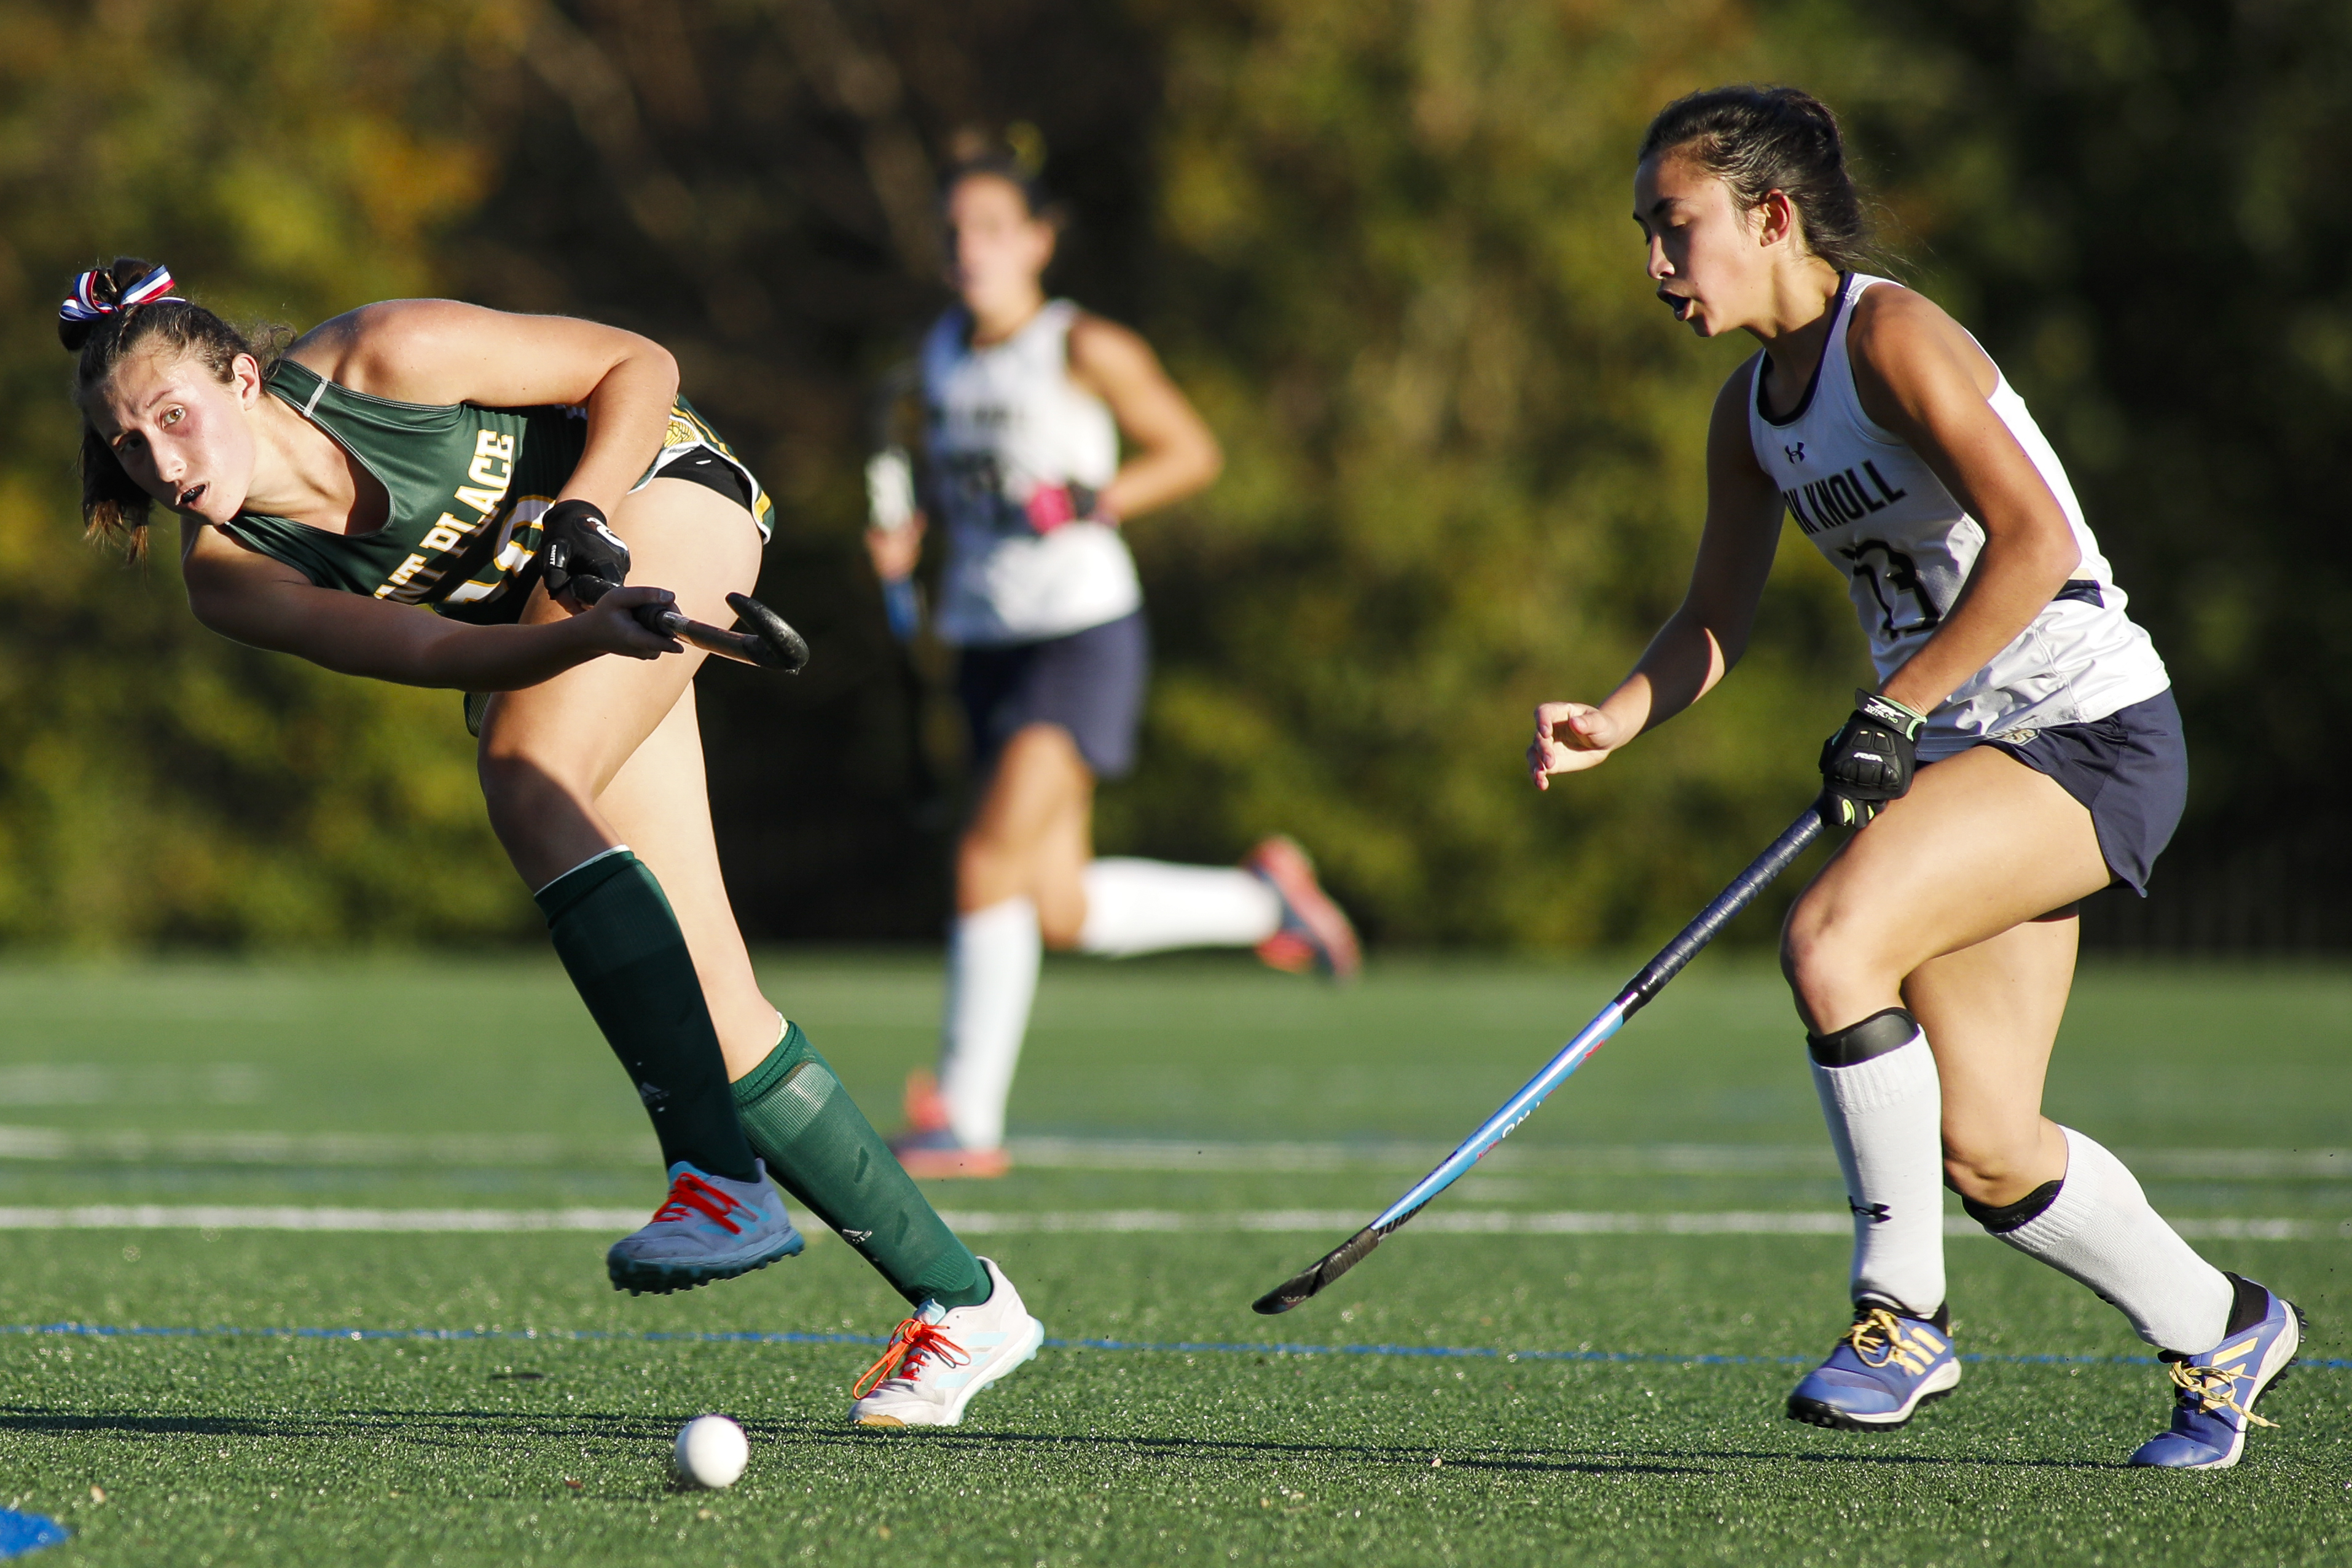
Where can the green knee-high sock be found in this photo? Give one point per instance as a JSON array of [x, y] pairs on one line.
[[615, 933], [821, 1149]]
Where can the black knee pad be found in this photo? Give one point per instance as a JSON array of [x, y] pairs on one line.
[[1873, 1037], [2012, 1216]]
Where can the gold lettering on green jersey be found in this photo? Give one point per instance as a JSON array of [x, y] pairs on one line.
[[492, 451], [446, 534], [400, 575], [490, 447]]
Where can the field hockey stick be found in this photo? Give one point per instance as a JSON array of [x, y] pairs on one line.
[[770, 643], [1498, 1127]]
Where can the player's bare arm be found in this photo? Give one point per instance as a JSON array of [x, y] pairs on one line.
[[1924, 379], [175, 430], [1176, 455], [1708, 633], [442, 351], [252, 599]]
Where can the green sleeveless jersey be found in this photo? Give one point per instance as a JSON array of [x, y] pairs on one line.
[[467, 485]]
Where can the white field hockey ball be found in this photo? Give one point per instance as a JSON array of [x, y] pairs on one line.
[[710, 1452]]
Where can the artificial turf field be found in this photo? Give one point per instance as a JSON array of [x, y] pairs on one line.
[[1168, 1095]]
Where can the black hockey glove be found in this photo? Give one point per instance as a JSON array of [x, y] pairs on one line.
[[574, 541], [1870, 761]]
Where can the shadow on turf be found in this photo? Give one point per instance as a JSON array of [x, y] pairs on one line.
[[470, 1428], [410, 1425], [1409, 1455]]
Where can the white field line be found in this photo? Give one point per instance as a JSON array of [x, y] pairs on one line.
[[226, 1217], [1084, 1222], [1149, 1155]]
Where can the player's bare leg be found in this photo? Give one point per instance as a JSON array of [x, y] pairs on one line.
[[659, 805], [550, 755], [1991, 1013], [1927, 961], [1981, 844], [1033, 834], [1019, 885]]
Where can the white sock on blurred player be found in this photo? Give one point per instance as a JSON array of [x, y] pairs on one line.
[[1884, 1108], [1149, 906], [992, 958]]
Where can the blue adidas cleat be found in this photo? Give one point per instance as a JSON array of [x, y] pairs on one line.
[[710, 1228], [2214, 1393], [1888, 1364]]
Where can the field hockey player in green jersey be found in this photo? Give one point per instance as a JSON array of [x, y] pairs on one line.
[[381, 499]]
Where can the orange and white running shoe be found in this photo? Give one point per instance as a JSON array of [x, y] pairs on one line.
[[1315, 933], [709, 1227], [938, 1358], [928, 1148]]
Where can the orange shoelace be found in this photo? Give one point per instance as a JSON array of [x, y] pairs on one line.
[[692, 1195], [910, 1342]]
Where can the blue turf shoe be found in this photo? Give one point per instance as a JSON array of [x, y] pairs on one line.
[[2214, 1393], [1888, 1364], [709, 1227]]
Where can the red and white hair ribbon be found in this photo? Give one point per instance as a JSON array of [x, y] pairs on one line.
[[84, 304]]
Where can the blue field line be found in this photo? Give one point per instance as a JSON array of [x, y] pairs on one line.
[[23, 1533], [1182, 1347]]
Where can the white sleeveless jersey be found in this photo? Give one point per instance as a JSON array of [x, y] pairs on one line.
[[1005, 420], [1884, 520]]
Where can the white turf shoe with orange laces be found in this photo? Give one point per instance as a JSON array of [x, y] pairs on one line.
[[938, 1358], [709, 1227]]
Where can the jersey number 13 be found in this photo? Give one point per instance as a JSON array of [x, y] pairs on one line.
[[1905, 604]]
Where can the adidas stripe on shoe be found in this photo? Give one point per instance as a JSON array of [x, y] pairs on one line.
[[2214, 1393], [1888, 1365]]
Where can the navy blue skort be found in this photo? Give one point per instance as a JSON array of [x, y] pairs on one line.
[[1089, 682], [2130, 771]]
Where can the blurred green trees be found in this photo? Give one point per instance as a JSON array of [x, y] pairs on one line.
[[1386, 245], [287, 159]]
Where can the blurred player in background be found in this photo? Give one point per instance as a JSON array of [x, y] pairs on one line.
[[1025, 403], [2020, 751], [423, 456]]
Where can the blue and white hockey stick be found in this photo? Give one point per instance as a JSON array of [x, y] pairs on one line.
[[1498, 1127]]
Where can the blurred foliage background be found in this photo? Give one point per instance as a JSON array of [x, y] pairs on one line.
[[1383, 243]]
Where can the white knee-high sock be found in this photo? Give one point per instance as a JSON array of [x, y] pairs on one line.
[[1885, 1119], [2098, 1228], [993, 957], [1148, 906]]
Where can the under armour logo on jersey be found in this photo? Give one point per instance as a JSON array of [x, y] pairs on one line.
[[1796, 453], [652, 1094], [1878, 1213]]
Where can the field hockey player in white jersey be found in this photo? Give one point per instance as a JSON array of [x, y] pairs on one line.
[[1025, 401], [2020, 751]]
